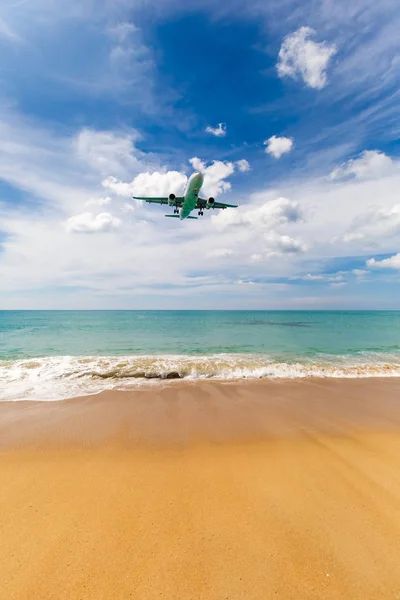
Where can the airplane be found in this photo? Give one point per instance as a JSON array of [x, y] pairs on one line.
[[183, 205]]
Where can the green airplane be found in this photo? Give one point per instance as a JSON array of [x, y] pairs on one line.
[[183, 205]]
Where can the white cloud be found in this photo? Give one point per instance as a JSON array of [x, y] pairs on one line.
[[122, 30], [129, 60], [44, 164], [283, 244], [214, 175], [162, 184], [98, 201], [89, 223], [365, 213], [310, 277], [275, 244], [371, 164], [220, 253], [327, 277], [270, 214], [126, 207], [301, 56], [148, 184], [219, 131], [374, 223], [255, 229], [393, 262], [108, 151], [243, 165], [278, 146]]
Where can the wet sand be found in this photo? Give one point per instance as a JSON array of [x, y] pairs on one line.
[[250, 490]]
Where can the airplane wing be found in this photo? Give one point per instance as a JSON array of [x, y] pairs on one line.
[[202, 203], [177, 202]]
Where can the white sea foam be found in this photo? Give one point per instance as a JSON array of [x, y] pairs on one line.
[[59, 377]]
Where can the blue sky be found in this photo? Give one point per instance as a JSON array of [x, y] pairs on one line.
[[290, 109]]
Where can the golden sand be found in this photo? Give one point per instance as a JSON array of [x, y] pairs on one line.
[[204, 491]]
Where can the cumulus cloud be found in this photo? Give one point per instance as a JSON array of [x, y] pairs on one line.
[[275, 244], [375, 223], [371, 164], [243, 165], [276, 146], [272, 213], [300, 56], [148, 184], [162, 184], [214, 175], [283, 244], [393, 262], [256, 228], [219, 131], [89, 223]]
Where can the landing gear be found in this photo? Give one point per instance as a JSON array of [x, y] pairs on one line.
[[201, 213], [176, 211]]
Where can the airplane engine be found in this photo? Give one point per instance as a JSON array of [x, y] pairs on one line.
[[171, 199], [210, 202]]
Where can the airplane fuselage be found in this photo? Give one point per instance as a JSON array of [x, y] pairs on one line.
[[191, 195], [191, 200]]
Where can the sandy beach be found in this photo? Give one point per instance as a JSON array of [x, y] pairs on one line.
[[246, 490]]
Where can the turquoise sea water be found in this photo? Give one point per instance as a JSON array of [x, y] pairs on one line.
[[54, 354]]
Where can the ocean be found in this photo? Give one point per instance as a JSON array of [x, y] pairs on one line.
[[51, 355]]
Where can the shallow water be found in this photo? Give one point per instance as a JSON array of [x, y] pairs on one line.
[[54, 354]]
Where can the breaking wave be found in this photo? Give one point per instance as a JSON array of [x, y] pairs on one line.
[[59, 377]]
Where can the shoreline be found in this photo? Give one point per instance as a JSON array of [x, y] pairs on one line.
[[183, 411], [61, 377]]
